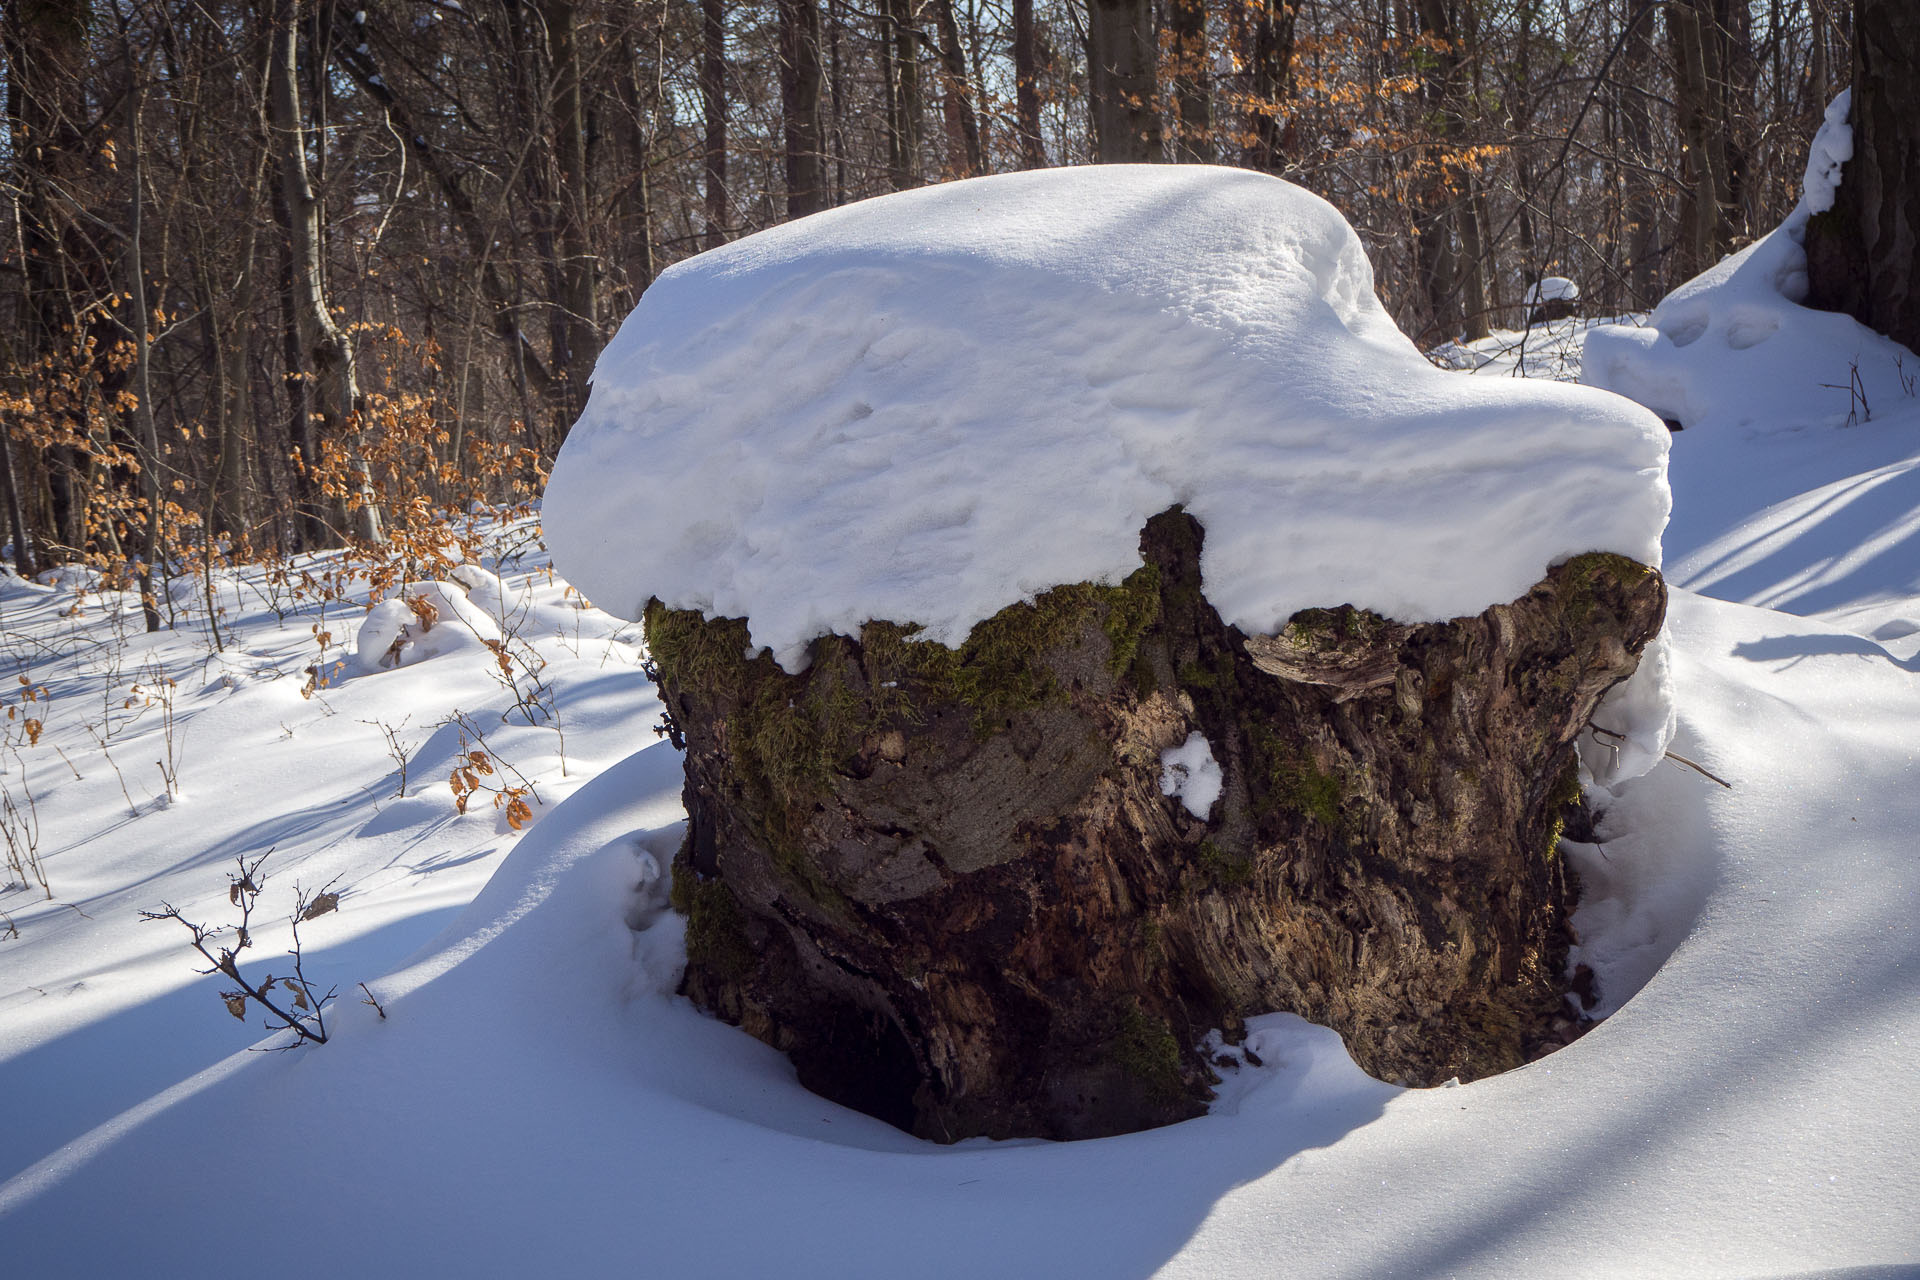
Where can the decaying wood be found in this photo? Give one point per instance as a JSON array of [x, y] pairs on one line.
[[950, 886]]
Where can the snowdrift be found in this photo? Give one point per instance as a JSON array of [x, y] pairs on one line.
[[1734, 348]]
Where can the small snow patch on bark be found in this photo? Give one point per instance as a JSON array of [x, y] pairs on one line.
[[1190, 772]]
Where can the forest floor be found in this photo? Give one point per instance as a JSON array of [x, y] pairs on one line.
[[530, 1098]]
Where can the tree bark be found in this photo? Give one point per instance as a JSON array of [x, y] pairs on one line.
[[1026, 77], [23, 560], [579, 265], [1192, 71], [713, 105], [1121, 82], [62, 271], [1636, 109], [963, 127], [153, 552], [905, 107], [325, 353], [1269, 44], [1455, 277], [1706, 49], [952, 886], [1863, 255], [800, 84]]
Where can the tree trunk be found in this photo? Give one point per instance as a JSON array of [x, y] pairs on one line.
[[153, 553], [1863, 255], [1709, 198], [1026, 76], [904, 105], [1191, 72], [963, 127], [1121, 49], [1636, 109], [1269, 43], [580, 330], [1455, 278], [23, 560], [325, 353], [62, 272], [800, 85], [713, 105], [952, 884]]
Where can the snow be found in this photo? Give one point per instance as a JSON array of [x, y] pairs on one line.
[[1831, 149], [428, 620], [1190, 772], [1732, 348], [1552, 289], [928, 406], [535, 1101]]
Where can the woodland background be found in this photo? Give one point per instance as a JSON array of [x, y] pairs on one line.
[[282, 274]]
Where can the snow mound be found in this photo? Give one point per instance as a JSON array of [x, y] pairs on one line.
[[427, 620], [1732, 347], [928, 406]]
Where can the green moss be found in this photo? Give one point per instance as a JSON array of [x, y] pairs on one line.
[[999, 669], [1220, 675], [716, 927], [694, 652], [1296, 782], [1144, 1049], [1565, 794], [787, 735], [1584, 574], [1331, 628], [1152, 946], [1131, 608], [680, 890], [1223, 868]]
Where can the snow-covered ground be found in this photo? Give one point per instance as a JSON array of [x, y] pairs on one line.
[[535, 1101]]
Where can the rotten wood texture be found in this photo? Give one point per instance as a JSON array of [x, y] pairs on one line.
[[949, 885]]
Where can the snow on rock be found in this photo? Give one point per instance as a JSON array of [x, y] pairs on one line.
[[1732, 347], [1190, 772], [426, 620], [1552, 289], [928, 406]]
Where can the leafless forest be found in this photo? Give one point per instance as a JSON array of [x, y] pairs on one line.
[[286, 274]]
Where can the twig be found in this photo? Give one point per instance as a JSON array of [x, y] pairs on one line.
[[243, 892], [377, 1006], [1674, 756]]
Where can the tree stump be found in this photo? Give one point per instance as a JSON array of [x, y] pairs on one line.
[[953, 887]]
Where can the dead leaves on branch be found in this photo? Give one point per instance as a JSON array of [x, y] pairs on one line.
[[474, 773]]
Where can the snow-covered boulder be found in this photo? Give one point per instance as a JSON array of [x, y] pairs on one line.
[[999, 547], [1734, 348], [1551, 298]]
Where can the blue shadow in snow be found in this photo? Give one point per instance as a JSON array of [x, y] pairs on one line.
[[1793, 650], [88, 1076]]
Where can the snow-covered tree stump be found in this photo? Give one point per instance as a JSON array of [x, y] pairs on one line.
[[1002, 795], [954, 887]]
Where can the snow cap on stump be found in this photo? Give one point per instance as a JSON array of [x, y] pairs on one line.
[[928, 406]]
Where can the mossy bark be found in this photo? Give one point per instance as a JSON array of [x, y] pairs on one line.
[[948, 884]]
